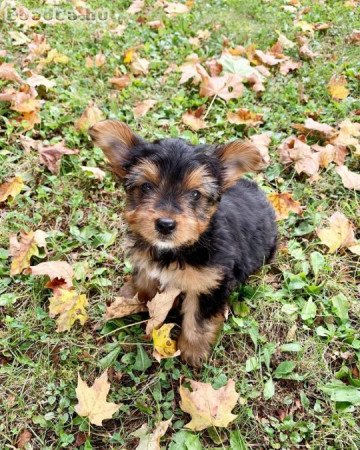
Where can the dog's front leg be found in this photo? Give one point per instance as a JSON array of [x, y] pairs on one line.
[[200, 326]]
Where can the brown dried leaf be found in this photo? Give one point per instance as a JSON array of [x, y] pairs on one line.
[[297, 151], [351, 180], [348, 134], [173, 9], [136, 6], [95, 172], [8, 73], [288, 66], [267, 58], [123, 307], [23, 439], [151, 441], [39, 80], [121, 82], [22, 251], [159, 307], [304, 50], [283, 203], [189, 70], [354, 37], [243, 116], [11, 188], [207, 406], [98, 61], [143, 107], [340, 233], [51, 155], [139, 66], [194, 120], [156, 24], [89, 117], [312, 126], [330, 153], [227, 87], [262, 142], [59, 272], [92, 400]]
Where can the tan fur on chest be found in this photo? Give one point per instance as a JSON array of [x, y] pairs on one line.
[[189, 279]]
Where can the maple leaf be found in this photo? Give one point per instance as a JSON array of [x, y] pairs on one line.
[[98, 61], [226, 87], [283, 203], [297, 151], [39, 80], [139, 66], [267, 58], [207, 406], [194, 119], [51, 155], [8, 73], [304, 50], [164, 346], [95, 172], [156, 24], [351, 180], [124, 306], [69, 306], [243, 116], [151, 441], [89, 117], [159, 307], [262, 142], [141, 108], [337, 87], [348, 134], [330, 153], [92, 400], [189, 70], [173, 9], [288, 66], [121, 82], [23, 250], [136, 6], [59, 272], [340, 234], [11, 188]]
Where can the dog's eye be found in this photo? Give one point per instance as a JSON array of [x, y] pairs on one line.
[[195, 195], [146, 187]]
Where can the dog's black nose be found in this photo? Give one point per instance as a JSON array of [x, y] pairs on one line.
[[165, 225]]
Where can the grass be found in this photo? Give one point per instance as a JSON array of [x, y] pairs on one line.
[[38, 367]]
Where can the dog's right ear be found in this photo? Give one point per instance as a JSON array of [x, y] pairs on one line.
[[116, 140]]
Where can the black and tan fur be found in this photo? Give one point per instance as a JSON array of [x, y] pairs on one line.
[[194, 223]]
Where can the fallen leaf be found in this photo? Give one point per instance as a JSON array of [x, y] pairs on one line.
[[98, 61], [330, 153], [136, 6], [92, 400], [173, 9], [297, 151], [227, 87], [95, 172], [143, 107], [69, 306], [23, 439], [189, 70], [51, 155], [214, 66], [337, 87], [285, 42], [304, 50], [119, 30], [351, 180], [39, 80], [121, 82], [18, 38], [11, 188], [89, 117], [22, 251], [139, 66], [304, 26], [283, 203], [8, 73], [123, 306], [354, 37], [159, 307], [262, 142], [267, 58], [243, 116], [288, 66], [59, 272], [164, 346], [156, 24], [194, 119], [348, 134], [340, 233], [151, 441], [207, 406]]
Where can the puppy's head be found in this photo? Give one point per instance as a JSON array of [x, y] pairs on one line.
[[173, 188]]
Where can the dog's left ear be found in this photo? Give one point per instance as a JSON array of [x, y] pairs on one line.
[[236, 158]]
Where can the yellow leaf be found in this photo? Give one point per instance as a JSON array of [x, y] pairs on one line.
[[337, 87], [340, 234], [11, 188], [22, 251], [283, 203], [92, 400], [159, 307], [164, 346], [207, 406], [69, 306], [55, 57], [129, 55]]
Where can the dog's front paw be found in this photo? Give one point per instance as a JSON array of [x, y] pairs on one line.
[[194, 353]]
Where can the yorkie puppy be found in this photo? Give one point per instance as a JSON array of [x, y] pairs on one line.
[[195, 224]]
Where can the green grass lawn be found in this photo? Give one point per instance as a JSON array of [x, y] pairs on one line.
[[286, 312]]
